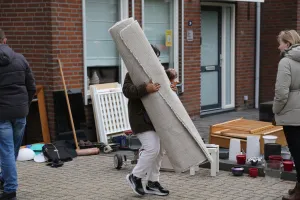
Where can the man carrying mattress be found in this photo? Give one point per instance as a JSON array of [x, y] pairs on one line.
[[151, 157]]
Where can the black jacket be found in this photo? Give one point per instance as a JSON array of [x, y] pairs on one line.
[[17, 84], [138, 117]]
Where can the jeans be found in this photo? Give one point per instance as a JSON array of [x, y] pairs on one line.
[[150, 159], [292, 135], [11, 136]]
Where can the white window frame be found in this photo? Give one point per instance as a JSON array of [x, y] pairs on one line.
[[175, 31], [123, 13], [223, 58]]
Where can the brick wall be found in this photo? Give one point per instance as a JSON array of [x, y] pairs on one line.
[[191, 96], [138, 11], [28, 29], [67, 42], [43, 31], [298, 16], [245, 53], [277, 15]]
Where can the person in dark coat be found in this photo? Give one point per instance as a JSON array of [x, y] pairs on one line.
[[151, 157], [17, 89]]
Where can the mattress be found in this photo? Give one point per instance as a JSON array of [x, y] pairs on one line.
[[180, 138]]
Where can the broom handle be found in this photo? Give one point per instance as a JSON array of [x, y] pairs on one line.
[[68, 103]]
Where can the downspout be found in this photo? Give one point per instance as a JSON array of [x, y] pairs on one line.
[[85, 84], [132, 9], [143, 14], [257, 63], [182, 46]]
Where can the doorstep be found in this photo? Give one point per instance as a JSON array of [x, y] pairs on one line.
[[226, 165]]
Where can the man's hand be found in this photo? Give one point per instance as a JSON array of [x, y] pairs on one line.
[[152, 87], [174, 87]]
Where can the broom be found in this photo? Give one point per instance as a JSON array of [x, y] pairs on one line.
[[80, 152]]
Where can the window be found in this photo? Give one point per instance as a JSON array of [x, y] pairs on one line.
[[100, 16], [158, 24], [101, 58]]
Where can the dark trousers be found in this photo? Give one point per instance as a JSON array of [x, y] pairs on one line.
[[292, 135]]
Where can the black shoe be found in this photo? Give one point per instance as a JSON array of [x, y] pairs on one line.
[[156, 188], [8, 196], [135, 184]]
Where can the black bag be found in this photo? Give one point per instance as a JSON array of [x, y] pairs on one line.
[[59, 151]]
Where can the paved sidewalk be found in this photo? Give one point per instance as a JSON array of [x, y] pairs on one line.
[[93, 177]]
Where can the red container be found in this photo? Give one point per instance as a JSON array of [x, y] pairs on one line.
[[253, 172], [288, 166], [241, 159], [275, 157]]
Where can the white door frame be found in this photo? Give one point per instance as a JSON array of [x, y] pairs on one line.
[[223, 58], [175, 31], [123, 13]]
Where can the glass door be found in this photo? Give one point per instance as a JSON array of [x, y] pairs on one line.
[[211, 38]]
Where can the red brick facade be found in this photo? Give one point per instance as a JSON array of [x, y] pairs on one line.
[[29, 31], [245, 53], [191, 96], [277, 15], [67, 43], [45, 30]]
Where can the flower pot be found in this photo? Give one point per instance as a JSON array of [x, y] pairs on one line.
[[253, 172], [271, 149], [275, 157], [288, 166], [270, 139], [241, 159], [237, 171]]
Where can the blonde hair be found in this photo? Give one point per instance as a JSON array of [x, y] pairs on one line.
[[289, 36]]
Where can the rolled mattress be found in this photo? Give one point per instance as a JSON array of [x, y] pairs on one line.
[[180, 138]]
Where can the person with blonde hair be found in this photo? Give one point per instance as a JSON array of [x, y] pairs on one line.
[[286, 106]]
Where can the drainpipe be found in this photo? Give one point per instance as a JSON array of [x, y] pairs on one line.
[[182, 46], [132, 9], [143, 14], [257, 62], [86, 86]]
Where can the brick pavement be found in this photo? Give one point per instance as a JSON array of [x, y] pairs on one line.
[[93, 177]]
